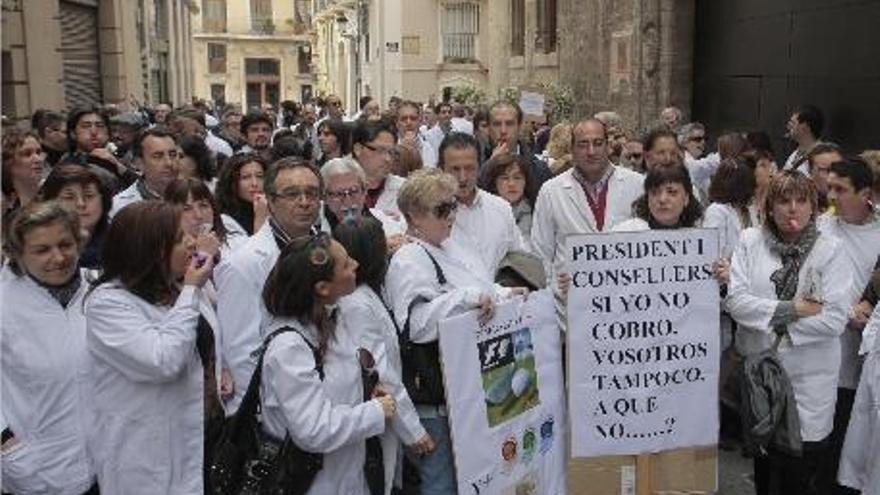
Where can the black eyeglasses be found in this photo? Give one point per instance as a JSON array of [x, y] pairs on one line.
[[698, 139], [318, 246], [444, 209], [310, 194], [384, 151], [345, 193]]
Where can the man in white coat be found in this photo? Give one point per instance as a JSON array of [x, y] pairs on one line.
[[592, 196], [294, 190], [484, 222], [373, 145], [853, 221], [155, 153]]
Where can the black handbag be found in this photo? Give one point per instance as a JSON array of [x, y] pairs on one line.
[[247, 461], [422, 375]]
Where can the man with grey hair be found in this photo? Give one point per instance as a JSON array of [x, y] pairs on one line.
[[692, 139], [345, 199], [671, 117]]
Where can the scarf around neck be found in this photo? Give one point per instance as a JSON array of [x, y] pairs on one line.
[[793, 254]]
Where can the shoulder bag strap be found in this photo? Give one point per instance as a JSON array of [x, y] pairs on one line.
[[441, 279]]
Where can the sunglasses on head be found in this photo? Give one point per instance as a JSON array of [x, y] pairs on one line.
[[444, 209], [317, 245]]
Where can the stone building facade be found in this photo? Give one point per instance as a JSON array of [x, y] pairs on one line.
[[253, 52], [59, 54], [422, 49], [632, 56]]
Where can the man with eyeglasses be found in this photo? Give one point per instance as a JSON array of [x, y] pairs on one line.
[[373, 144], [692, 139], [294, 191], [484, 222], [592, 196], [345, 200]]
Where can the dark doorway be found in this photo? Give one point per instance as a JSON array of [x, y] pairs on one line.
[[757, 60]]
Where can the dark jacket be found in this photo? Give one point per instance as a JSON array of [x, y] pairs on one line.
[[768, 407]]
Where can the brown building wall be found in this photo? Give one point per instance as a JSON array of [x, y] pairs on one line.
[[632, 56]]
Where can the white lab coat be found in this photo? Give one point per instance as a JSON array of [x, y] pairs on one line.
[[488, 228], [387, 201], [44, 402], [326, 416], [411, 274], [147, 391], [632, 225], [239, 279], [727, 220], [701, 171], [562, 210], [124, 198], [236, 235], [365, 320], [811, 353], [860, 247], [860, 458]]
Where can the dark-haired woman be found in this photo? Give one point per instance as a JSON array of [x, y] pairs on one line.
[[334, 138], [197, 160], [787, 279], [154, 358], [84, 192], [668, 202], [200, 213], [508, 176], [731, 193], [369, 322], [243, 206], [44, 359], [311, 382]]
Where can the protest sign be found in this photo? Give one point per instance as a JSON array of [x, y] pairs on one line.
[[505, 399], [643, 341]]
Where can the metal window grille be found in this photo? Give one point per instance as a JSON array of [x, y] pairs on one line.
[[517, 27], [461, 28], [545, 41], [214, 16], [216, 58], [261, 17]]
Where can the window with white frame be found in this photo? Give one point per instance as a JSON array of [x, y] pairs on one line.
[[460, 24]]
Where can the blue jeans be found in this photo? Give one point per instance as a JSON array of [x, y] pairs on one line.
[[437, 469]]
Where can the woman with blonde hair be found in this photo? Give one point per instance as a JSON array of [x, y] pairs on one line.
[[559, 148]]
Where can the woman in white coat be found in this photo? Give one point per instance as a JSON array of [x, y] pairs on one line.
[[860, 459], [366, 318], [44, 365], [429, 279], [311, 379], [151, 339], [788, 279]]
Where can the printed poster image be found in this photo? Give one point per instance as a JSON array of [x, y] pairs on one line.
[[510, 379], [507, 417]]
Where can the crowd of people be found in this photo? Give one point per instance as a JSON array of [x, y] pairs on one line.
[[158, 262]]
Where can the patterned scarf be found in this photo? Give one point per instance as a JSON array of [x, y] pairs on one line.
[[793, 254], [63, 293]]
